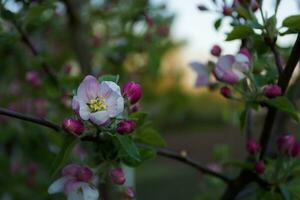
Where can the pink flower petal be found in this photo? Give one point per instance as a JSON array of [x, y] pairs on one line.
[[73, 185], [99, 117], [58, 185], [90, 193], [71, 170], [88, 89]]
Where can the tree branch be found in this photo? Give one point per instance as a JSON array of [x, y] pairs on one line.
[[277, 58], [160, 151]]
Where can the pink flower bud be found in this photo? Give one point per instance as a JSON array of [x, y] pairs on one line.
[[32, 169], [33, 78], [117, 176], [216, 50], [126, 126], [252, 146], [225, 91], [227, 11], [295, 150], [285, 143], [259, 166], [85, 174], [133, 92], [254, 5], [73, 126], [129, 193], [272, 91], [134, 108]]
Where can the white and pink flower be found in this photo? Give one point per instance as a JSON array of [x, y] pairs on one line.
[[98, 102], [203, 74], [75, 183], [231, 69]]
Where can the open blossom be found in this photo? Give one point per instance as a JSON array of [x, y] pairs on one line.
[[230, 69], [96, 101], [202, 74], [75, 183]]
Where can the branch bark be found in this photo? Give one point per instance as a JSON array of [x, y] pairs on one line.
[[160, 151]]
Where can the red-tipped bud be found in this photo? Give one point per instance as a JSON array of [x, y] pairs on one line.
[[285, 143], [33, 78], [117, 176], [272, 91], [225, 91], [227, 11], [246, 52], [126, 126], [216, 50], [133, 92], [73, 126], [129, 193], [252, 146], [295, 150], [85, 174], [259, 166]]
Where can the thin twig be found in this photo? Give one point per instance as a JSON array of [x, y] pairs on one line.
[[160, 151], [277, 58]]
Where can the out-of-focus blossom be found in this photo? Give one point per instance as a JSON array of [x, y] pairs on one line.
[[259, 166], [117, 176], [96, 101], [129, 193], [126, 126], [41, 107], [285, 143], [215, 167], [78, 151], [75, 183], [272, 91], [225, 91], [203, 74], [132, 91], [216, 50], [33, 78], [134, 108], [227, 10], [295, 150], [230, 69], [252, 146], [73, 126], [246, 52], [15, 167]]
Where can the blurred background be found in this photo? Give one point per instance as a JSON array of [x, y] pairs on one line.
[[45, 48]]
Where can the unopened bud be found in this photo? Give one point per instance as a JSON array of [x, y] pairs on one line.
[[73, 126], [117, 176]]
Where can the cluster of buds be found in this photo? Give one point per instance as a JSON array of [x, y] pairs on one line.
[[253, 148], [117, 176], [288, 145]]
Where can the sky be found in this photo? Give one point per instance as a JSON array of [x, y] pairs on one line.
[[196, 27]]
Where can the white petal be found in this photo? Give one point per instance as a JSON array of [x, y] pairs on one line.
[[88, 89], [84, 110], [115, 105], [58, 185], [76, 195], [109, 86], [99, 117], [90, 193]]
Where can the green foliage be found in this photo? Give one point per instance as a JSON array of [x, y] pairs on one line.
[[239, 32], [292, 22]]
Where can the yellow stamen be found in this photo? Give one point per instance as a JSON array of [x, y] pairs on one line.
[[97, 104]]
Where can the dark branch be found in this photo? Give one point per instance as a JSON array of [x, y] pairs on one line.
[[34, 51], [28, 118], [162, 152]]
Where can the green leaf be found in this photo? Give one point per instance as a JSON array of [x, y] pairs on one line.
[[283, 104], [239, 32], [114, 78], [6, 14], [150, 137], [63, 154], [128, 147], [218, 23], [146, 154], [271, 26], [139, 117], [243, 12], [292, 22], [243, 119], [284, 191]]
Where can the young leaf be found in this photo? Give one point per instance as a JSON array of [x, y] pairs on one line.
[[292, 22], [63, 155], [128, 147], [218, 23], [150, 137], [239, 32], [114, 78], [283, 104]]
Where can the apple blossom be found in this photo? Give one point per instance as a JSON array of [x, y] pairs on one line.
[[225, 91], [230, 69], [272, 91], [126, 126], [259, 166], [129, 193], [33, 78], [117, 176], [133, 92], [295, 150], [252, 146], [202, 74], [73, 126], [285, 143], [96, 101], [75, 183]]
